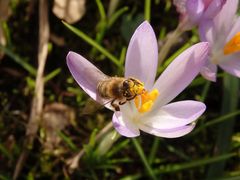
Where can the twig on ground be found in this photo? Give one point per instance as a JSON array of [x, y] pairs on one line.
[[37, 102]]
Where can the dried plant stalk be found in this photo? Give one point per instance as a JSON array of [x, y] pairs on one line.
[[37, 103]]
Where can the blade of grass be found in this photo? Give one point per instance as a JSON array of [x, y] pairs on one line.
[[5, 152], [205, 91], [101, 9], [113, 4], [93, 43], [52, 75], [112, 19], [193, 163], [183, 166], [153, 150], [116, 148], [144, 159], [67, 140], [2, 177], [19, 60], [215, 121], [225, 129]]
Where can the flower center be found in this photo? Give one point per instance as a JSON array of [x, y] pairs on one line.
[[233, 45], [145, 101]]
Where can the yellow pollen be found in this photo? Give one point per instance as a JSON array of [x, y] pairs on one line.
[[233, 45], [145, 101]]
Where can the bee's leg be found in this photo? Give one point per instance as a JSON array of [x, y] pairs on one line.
[[121, 103], [127, 99], [131, 98], [115, 106]]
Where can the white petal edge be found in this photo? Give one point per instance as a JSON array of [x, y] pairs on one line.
[[175, 115], [124, 126], [174, 133]]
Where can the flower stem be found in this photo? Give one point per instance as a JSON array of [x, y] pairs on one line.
[[143, 158], [170, 41]]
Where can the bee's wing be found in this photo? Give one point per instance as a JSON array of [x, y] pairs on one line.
[[92, 78]]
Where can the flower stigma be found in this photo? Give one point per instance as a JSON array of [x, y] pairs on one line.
[[145, 101], [233, 45]]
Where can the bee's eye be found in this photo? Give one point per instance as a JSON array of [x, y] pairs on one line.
[[127, 94], [126, 84]]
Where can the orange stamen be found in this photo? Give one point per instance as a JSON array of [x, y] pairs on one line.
[[233, 45], [145, 101]]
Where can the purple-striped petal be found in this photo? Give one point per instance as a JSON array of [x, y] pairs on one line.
[[207, 31], [194, 10], [213, 8], [170, 133], [175, 115], [86, 74], [180, 73], [142, 55], [124, 126], [209, 72]]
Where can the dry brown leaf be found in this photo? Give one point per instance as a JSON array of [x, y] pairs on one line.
[[70, 11], [56, 117]]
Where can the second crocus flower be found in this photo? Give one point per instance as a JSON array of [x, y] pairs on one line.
[[223, 34], [192, 12]]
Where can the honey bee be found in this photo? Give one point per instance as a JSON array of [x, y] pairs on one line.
[[119, 89]]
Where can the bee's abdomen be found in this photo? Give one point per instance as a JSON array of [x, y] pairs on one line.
[[102, 89], [110, 89]]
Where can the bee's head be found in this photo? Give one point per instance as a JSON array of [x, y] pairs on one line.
[[132, 87]]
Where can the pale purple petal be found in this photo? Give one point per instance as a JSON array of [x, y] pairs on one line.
[[231, 64], [142, 55], [175, 115], [124, 126], [170, 133], [194, 9], [235, 29], [86, 74], [180, 73], [224, 20], [207, 31], [214, 8], [209, 72]]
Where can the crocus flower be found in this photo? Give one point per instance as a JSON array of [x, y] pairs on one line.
[[150, 112], [192, 12], [223, 35]]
